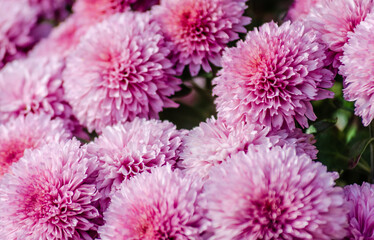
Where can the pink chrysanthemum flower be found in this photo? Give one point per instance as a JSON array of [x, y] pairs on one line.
[[300, 9], [128, 149], [335, 19], [50, 194], [213, 142], [119, 71], [272, 76], [274, 194], [16, 23], [28, 132], [200, 30], [360, 217], [158, 205], [358, 69], [32, 85]]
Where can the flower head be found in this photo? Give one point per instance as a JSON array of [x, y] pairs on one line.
[[333, 20], [30, 132], [50, 194], [358, 69], [32, 85], [128, 149], [361, 205], [119, 71], [200, 30], [16, 23], [158, 205], [274, 194], [272, 76]]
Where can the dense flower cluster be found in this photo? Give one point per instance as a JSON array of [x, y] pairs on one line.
[[89, 150]]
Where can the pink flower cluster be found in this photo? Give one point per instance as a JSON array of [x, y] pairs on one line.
[[103, 75]]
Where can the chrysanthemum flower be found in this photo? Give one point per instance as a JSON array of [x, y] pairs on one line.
[[358, 69], [274, 194], [213, 142], [335, 19], [158, 205], [300, 9], [28, 132], [16, 23], [128, 149], [119, 71], [272, 76], [360, 217], [200, 29], [32, 85], [50, 194]]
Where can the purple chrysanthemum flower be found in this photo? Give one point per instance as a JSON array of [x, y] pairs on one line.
[[300, 9], [358, 69], [360, 217], [213, 142], [32, 85], [125, 150], [16, 23], [200, 30], [119, 71], [272, 76], [274, 194], [158, 205], [28, 132], [49, 194], [335, 19]]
